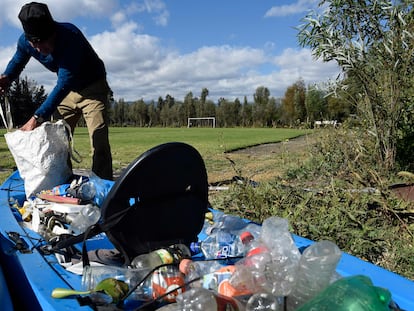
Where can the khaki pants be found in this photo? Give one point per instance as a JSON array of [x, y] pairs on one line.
[[93, 103]]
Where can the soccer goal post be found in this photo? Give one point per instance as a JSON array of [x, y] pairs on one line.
[[202, 122]]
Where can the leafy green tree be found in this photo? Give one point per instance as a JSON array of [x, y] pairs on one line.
[[203, 98], [261, 99], [272, 112], [120, 113], [246, 113], [299, 99], [25, 96], [373, 42], [139, 113], [153, 115], [293, 103], [228, 112], [316, 105], [189, 106], [210, 109]]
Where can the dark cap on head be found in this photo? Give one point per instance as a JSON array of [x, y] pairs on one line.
[[37, 21]]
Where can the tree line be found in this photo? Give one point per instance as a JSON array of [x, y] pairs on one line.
[[301, 105]]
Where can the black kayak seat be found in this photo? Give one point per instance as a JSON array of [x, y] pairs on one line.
[[162, 197]]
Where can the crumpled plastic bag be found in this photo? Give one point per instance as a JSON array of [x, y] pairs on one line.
[[41, 155]]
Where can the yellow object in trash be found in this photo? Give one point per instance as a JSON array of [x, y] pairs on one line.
[[209, 217], [25, 212]]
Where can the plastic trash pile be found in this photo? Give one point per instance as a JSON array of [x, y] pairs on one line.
[[239, 265], [65, 209]]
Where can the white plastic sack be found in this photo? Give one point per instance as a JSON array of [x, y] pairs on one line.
[[41, 156]]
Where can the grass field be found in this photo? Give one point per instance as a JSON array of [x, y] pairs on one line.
[[212, 143]]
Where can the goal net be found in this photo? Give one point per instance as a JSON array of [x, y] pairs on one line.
[[202, 122]]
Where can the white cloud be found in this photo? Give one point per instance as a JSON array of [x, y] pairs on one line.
[[126, 50], [162, 18], [60, 10], [156, 8], [5, 54], [299, 6], [10, 10], [118, 18], [140, 65]]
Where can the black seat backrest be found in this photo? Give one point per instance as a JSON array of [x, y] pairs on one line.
[[165, 192]]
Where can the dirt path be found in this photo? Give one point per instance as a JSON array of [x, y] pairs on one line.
[[290, 145], [264, 162]]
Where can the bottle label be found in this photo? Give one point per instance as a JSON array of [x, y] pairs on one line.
[[225, 250], [165, 256], [165, 280], [213, 280], [178, 253]]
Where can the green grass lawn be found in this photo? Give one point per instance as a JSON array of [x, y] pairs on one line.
[[127, 143]]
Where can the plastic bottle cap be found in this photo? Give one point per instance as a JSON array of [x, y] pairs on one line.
[[195, 247], [246, 237], [184, 263]]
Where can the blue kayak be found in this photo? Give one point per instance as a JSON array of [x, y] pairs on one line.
[[32, 274], [5, 297]]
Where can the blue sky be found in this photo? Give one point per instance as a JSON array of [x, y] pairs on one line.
[[152, 48]]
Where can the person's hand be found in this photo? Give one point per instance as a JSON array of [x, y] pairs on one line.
[[4, 83], [30, 125]]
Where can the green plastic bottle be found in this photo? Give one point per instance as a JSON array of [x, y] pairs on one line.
[[356, 293]]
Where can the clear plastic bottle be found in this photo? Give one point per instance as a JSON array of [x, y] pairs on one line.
[[218, 245], [197, 269], [285, 254], [88, 215], [93, 275], [264, 302], [172, 254], [251, 272], [201, 299], [251, 245], [166, 280], [315, 270], [232, 224], [226, 222]]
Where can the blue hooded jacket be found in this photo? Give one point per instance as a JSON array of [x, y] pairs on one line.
[[73, 60]]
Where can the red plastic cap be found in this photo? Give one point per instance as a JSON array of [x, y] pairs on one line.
[[184, 263], [246, 237]]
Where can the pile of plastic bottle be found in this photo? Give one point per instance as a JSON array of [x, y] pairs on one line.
[[245, 266], [238, 265]]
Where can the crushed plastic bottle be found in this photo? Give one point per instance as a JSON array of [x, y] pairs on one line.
[[232, 224], [285, 254], [315, 270], [264, 302], [251, 272], [219, 245], [203, 300]]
